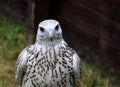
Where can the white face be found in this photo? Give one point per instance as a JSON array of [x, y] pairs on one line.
[[49, 30]]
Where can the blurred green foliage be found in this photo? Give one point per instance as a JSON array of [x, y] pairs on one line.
[[12, 41]]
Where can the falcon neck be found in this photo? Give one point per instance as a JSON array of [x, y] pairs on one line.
[[50, 49], [50, 43]]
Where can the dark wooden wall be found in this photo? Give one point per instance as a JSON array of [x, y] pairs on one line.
[[14, 10], [92, 27]]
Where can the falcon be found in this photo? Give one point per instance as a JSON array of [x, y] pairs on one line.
[[49, 62]]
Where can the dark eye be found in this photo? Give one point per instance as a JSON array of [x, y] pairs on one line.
[[42, 29], [57, 27]]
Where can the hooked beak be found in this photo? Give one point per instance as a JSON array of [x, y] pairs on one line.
[[51, 34]]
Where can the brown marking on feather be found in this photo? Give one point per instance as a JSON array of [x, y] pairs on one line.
[[25, 80]]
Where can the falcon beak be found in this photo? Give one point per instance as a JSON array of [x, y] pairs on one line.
[[51, 34]]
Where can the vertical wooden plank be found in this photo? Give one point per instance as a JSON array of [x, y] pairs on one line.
[[31, 30], [104, 26]]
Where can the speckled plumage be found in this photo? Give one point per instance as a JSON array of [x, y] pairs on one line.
[[49, 62]]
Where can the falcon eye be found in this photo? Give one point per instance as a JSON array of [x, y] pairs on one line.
[[57, 27], [42, 29]]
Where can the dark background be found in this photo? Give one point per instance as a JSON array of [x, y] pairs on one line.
[[92, 27]]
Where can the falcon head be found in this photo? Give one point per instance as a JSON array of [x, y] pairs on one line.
[[49, 31]]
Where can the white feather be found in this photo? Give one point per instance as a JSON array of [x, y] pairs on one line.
[[77, 69]]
